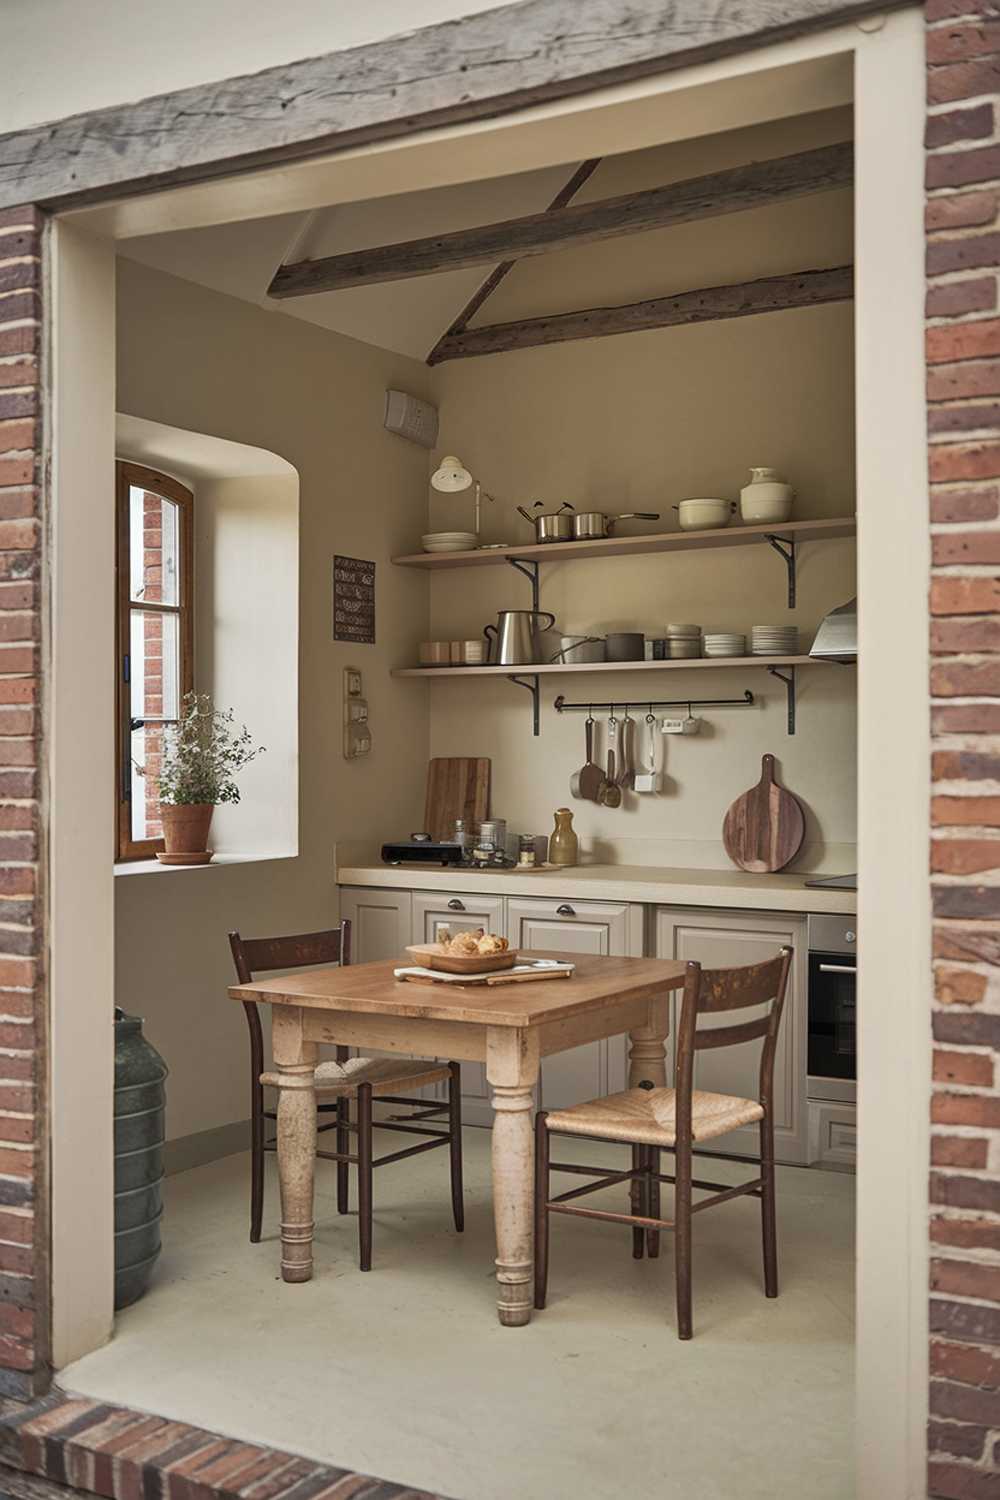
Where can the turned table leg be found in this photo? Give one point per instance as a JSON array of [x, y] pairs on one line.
[[512, 1071], [296, 1063], [647, 1063]]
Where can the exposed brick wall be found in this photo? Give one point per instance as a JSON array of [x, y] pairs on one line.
[[963, 415]]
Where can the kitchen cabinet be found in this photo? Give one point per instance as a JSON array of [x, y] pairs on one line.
[[721, 939], [598, 927], [381, 922], [833, 1135]]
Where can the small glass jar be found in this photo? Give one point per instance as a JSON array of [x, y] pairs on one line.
[[526, 851]]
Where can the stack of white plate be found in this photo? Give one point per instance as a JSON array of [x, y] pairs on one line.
[[448, 541], [725, 643], [774, 640], [683, 641]]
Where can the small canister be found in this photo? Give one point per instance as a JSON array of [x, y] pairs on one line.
[[526, 851]]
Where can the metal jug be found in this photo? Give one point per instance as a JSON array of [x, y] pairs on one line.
[[516, 638]]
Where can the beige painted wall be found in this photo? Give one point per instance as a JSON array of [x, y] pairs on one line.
[[640, 422], [200, 361]]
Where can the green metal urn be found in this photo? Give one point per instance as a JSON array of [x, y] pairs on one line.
[[140, 1113]]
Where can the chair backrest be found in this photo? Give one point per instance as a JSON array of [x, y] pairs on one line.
[[709, 991], [253, 956]]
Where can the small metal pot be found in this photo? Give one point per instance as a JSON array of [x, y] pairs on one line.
[[625, 645], [594, 525], [552, 525], [576, 649]]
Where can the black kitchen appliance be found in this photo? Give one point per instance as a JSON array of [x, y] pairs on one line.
[[832, 1045], [421, 849]]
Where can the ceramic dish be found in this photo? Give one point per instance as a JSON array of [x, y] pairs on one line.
[[705, 514], [433, 956]]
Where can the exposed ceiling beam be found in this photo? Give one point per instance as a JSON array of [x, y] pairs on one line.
[[753, 186], [770, 294], [568, 190]]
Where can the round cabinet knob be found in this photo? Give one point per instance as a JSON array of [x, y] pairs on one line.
[[565, 911], [455, 905]]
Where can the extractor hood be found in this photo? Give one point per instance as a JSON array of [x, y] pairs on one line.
[[837, 636]]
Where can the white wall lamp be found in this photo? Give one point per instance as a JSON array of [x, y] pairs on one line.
[[452, 477]]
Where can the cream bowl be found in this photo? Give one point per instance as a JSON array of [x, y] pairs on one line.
[[704, 515]]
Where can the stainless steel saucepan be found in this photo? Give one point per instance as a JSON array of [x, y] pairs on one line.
[[593, 525], [552, 525]]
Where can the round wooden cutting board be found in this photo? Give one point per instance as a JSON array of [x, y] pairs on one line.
[[764, 829]]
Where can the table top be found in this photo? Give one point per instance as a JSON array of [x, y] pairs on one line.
[[373, 989]]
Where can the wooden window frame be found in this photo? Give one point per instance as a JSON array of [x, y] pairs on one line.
[[127, 476]]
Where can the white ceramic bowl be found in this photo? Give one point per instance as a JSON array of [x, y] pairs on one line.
[[705, 515]]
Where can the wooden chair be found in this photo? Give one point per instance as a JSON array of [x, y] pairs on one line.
[[652, 1119], [338, 1083]]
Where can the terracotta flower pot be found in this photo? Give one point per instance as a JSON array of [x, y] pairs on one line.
[[185, 826]]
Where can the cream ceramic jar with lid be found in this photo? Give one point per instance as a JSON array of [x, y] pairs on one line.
[[767, 497]]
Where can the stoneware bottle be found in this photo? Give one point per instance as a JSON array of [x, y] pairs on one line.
[[564, 846], [766, 498]]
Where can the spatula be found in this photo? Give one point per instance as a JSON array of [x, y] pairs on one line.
[[588, 781]]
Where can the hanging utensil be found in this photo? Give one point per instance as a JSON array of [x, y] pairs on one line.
[[611, 792], [647, 778], [626, 752], [588, 781]]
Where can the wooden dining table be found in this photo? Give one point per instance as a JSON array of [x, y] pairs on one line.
[[509, 1027]]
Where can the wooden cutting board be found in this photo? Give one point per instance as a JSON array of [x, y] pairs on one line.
[[457, 787], [764, 829]]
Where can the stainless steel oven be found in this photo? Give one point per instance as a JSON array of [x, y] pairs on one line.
[[832, 1066]]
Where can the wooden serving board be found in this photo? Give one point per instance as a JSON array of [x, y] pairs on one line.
[[457, 787], [764, 829]]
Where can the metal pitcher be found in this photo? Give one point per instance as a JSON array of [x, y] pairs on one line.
[[516, 638]]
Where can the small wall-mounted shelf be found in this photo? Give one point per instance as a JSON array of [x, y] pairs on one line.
[[529, 676]]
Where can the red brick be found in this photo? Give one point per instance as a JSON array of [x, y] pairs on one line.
[[983, 416], [965, 765], [974, 1069], [21, 340], [952, 298], [959, 636], [15, 1353], [21, 371], [23, 215], [25, 271], [965, 252], [965, 718], [966, 901], [946, 44], [964, 1403], [976, 460], [957, 856], [961, 211], [960, 1439], [959, 986], [949, 1151], [965, 1278], [17, 471], [17, 973], [979, 812], [962, 169], [976, 340], [950, 506], [965, 679], [18, 504], [17, 436], [960, 1482], [966, 1109], [958, 125], [962, 1234], [965, 596], [18, 536], [964, 80], [971, 1322], [966, 1364], [15, 815]]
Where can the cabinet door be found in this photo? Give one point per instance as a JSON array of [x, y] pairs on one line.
[[380, 921], [724, 939], [596, 927], [461, 913]]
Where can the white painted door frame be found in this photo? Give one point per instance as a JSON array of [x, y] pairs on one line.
[[888, 64]]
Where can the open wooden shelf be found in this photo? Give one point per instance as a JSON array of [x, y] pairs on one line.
[[628, 546], [538, 669]]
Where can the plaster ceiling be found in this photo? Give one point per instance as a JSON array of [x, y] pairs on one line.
[[409, 316]]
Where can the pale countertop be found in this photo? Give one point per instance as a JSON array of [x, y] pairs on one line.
[[649, 884]]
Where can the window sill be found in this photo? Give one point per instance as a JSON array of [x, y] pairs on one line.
[[219, 862]]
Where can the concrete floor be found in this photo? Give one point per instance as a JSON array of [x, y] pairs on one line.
[[404, 1373]]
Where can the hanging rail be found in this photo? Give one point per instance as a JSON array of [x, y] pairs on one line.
[[561, 706]]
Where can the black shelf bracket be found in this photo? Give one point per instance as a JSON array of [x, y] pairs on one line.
[[531, 683], [529, 567], [788, 678], [785, 547]]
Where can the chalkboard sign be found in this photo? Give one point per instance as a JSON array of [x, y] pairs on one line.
[[354, 600]]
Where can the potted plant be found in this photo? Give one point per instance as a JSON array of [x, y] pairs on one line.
[[202, 755]]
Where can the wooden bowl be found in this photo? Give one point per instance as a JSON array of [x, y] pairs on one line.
[[433, 956]]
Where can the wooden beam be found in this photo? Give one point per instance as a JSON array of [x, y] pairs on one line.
[[753, 186], [493, 62], [770, 294], [568, 190]]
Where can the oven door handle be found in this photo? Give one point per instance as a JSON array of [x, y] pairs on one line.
[[837, 969]]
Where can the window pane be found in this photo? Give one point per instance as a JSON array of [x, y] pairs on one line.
[[154, 667], [146, 747], [154, 548]]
